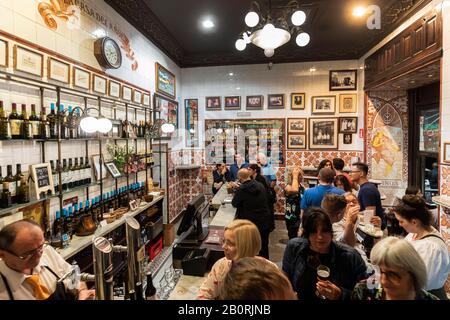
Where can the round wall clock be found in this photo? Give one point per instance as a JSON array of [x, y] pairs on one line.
[[107, 52]]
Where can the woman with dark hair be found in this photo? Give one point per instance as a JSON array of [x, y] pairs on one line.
[[325, 163], [341, 182], [316, 248], [413, 215]]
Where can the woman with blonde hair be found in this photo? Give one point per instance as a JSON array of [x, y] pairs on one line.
[[402, 276], [241, 239], [293, 193]]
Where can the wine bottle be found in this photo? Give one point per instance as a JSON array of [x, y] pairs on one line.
[[64, 175], [63, 122], [23, 192], [5, 198], [18, 179], [27, 130], [76, 173], [150, 290], [88, 171], [11, 182], [52, 122], [5, 126], [16, 123], [1, 180], [35, 123], [44, 126]]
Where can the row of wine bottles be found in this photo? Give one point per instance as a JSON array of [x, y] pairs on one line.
[[13, 188], [67, 220], [74, 173]]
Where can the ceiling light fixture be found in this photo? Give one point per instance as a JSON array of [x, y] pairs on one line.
[[269, 32], [359, 11], [208, 24]]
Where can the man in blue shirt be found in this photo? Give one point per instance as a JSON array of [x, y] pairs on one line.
[[239, 163], [313, 197]]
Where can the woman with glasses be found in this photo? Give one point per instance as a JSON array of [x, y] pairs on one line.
[[30, 270], [413, 216], [241, 239], [402, 273]]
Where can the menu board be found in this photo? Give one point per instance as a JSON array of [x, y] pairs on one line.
[[225, 138], [42, 175]]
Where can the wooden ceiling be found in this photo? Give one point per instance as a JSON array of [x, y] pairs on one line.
[[173, 25]]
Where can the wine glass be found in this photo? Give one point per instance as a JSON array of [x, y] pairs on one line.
[[323, 273]]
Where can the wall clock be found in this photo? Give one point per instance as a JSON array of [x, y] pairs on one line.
[[107, 52]]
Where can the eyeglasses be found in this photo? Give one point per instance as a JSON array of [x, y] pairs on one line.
[[27, 255]]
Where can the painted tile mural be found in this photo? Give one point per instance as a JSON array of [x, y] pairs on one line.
[[387, 141], [445, 179]]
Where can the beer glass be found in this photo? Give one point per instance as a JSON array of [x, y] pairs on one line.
[[323, 273]]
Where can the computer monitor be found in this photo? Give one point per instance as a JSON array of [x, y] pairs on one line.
[[192, 219]]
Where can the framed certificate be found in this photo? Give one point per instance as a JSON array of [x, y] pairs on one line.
[[28, 61], [3, 53], [114, 89], [58, 70], [126, 93], [81, 78], [137, 96], [99, 84], [146, 99]]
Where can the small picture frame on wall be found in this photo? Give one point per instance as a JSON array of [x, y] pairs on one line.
[[137, 96], [58, 70], [348, 124], [99, 84], [233, 103], [126, 93], [348, 103], [348, 138], [343, 80], [146, 99], [4, 53], [114, 89], [96, 162], [296, 141], [323, 105], [446, 152], [297, 101], [28, 61], [42, 179], [112, 169], [275, 101], [81, 78], [297, 125], [213, 103], [254, 102]]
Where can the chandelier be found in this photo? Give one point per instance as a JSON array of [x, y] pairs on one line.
[[269, 32]]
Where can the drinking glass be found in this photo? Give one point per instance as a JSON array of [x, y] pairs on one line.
[[368, 214], [323, 273]]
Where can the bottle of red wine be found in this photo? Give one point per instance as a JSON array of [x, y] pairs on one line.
[[150, 290]]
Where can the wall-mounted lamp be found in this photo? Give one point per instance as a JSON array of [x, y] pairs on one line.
[[91, 124]]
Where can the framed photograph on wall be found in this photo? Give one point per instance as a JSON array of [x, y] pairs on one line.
[[191, 112], [213, 103], [347, 138], [233, 103], [343, 80], [126, 93], [323, 105], [146, 99], [137, 96], [99, 84], [28, 61], [112, 169], [42, 179], [348, 103], [323, 134], [297, 125], [296, 141], [58, 70], [446, 152], [114, 89], [348, 124], [81, 78], [165, 81], [4, 53], [275, 101], [254, 102], [168, 112], [96, 162], [297, 101]]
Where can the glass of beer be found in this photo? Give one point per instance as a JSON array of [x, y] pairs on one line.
[[323, 273]]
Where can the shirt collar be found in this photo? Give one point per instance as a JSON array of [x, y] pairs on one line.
[[16, 279]]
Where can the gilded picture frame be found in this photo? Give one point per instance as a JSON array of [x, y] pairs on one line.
[[99, 84], [137, 96], [28, 61], [81, 78], [146, 99], [165, 81], [348, 103], [126, 93], [58, 70], [114, 89]]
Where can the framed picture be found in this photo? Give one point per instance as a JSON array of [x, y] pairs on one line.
[[3, 53], [323, 133], [81, 78], [233, 103], [343, 79], [99, 84], [116, 131], [191, 111], [114, 89], [323, 105], [348, 103], [297, 101], [146, 99], [58, 70], [296, 141], [112, 169], [126, 93], [348, 124], [254, 102], [137, 96], [133, 205], [212, 103], [297, 125], [96, 162], [28, 61], [165, 81], [168, 112], [446, 152], [347, 138], [275, 101], [42, 179]]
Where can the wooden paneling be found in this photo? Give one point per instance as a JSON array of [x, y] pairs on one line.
[[419, 44]]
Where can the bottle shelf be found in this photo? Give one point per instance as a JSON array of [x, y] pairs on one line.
[[77, 139], [13, 208]]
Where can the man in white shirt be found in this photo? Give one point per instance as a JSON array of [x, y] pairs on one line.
[[30, 269]]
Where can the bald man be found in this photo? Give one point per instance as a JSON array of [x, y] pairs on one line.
[[250, 199], [30, 269]]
